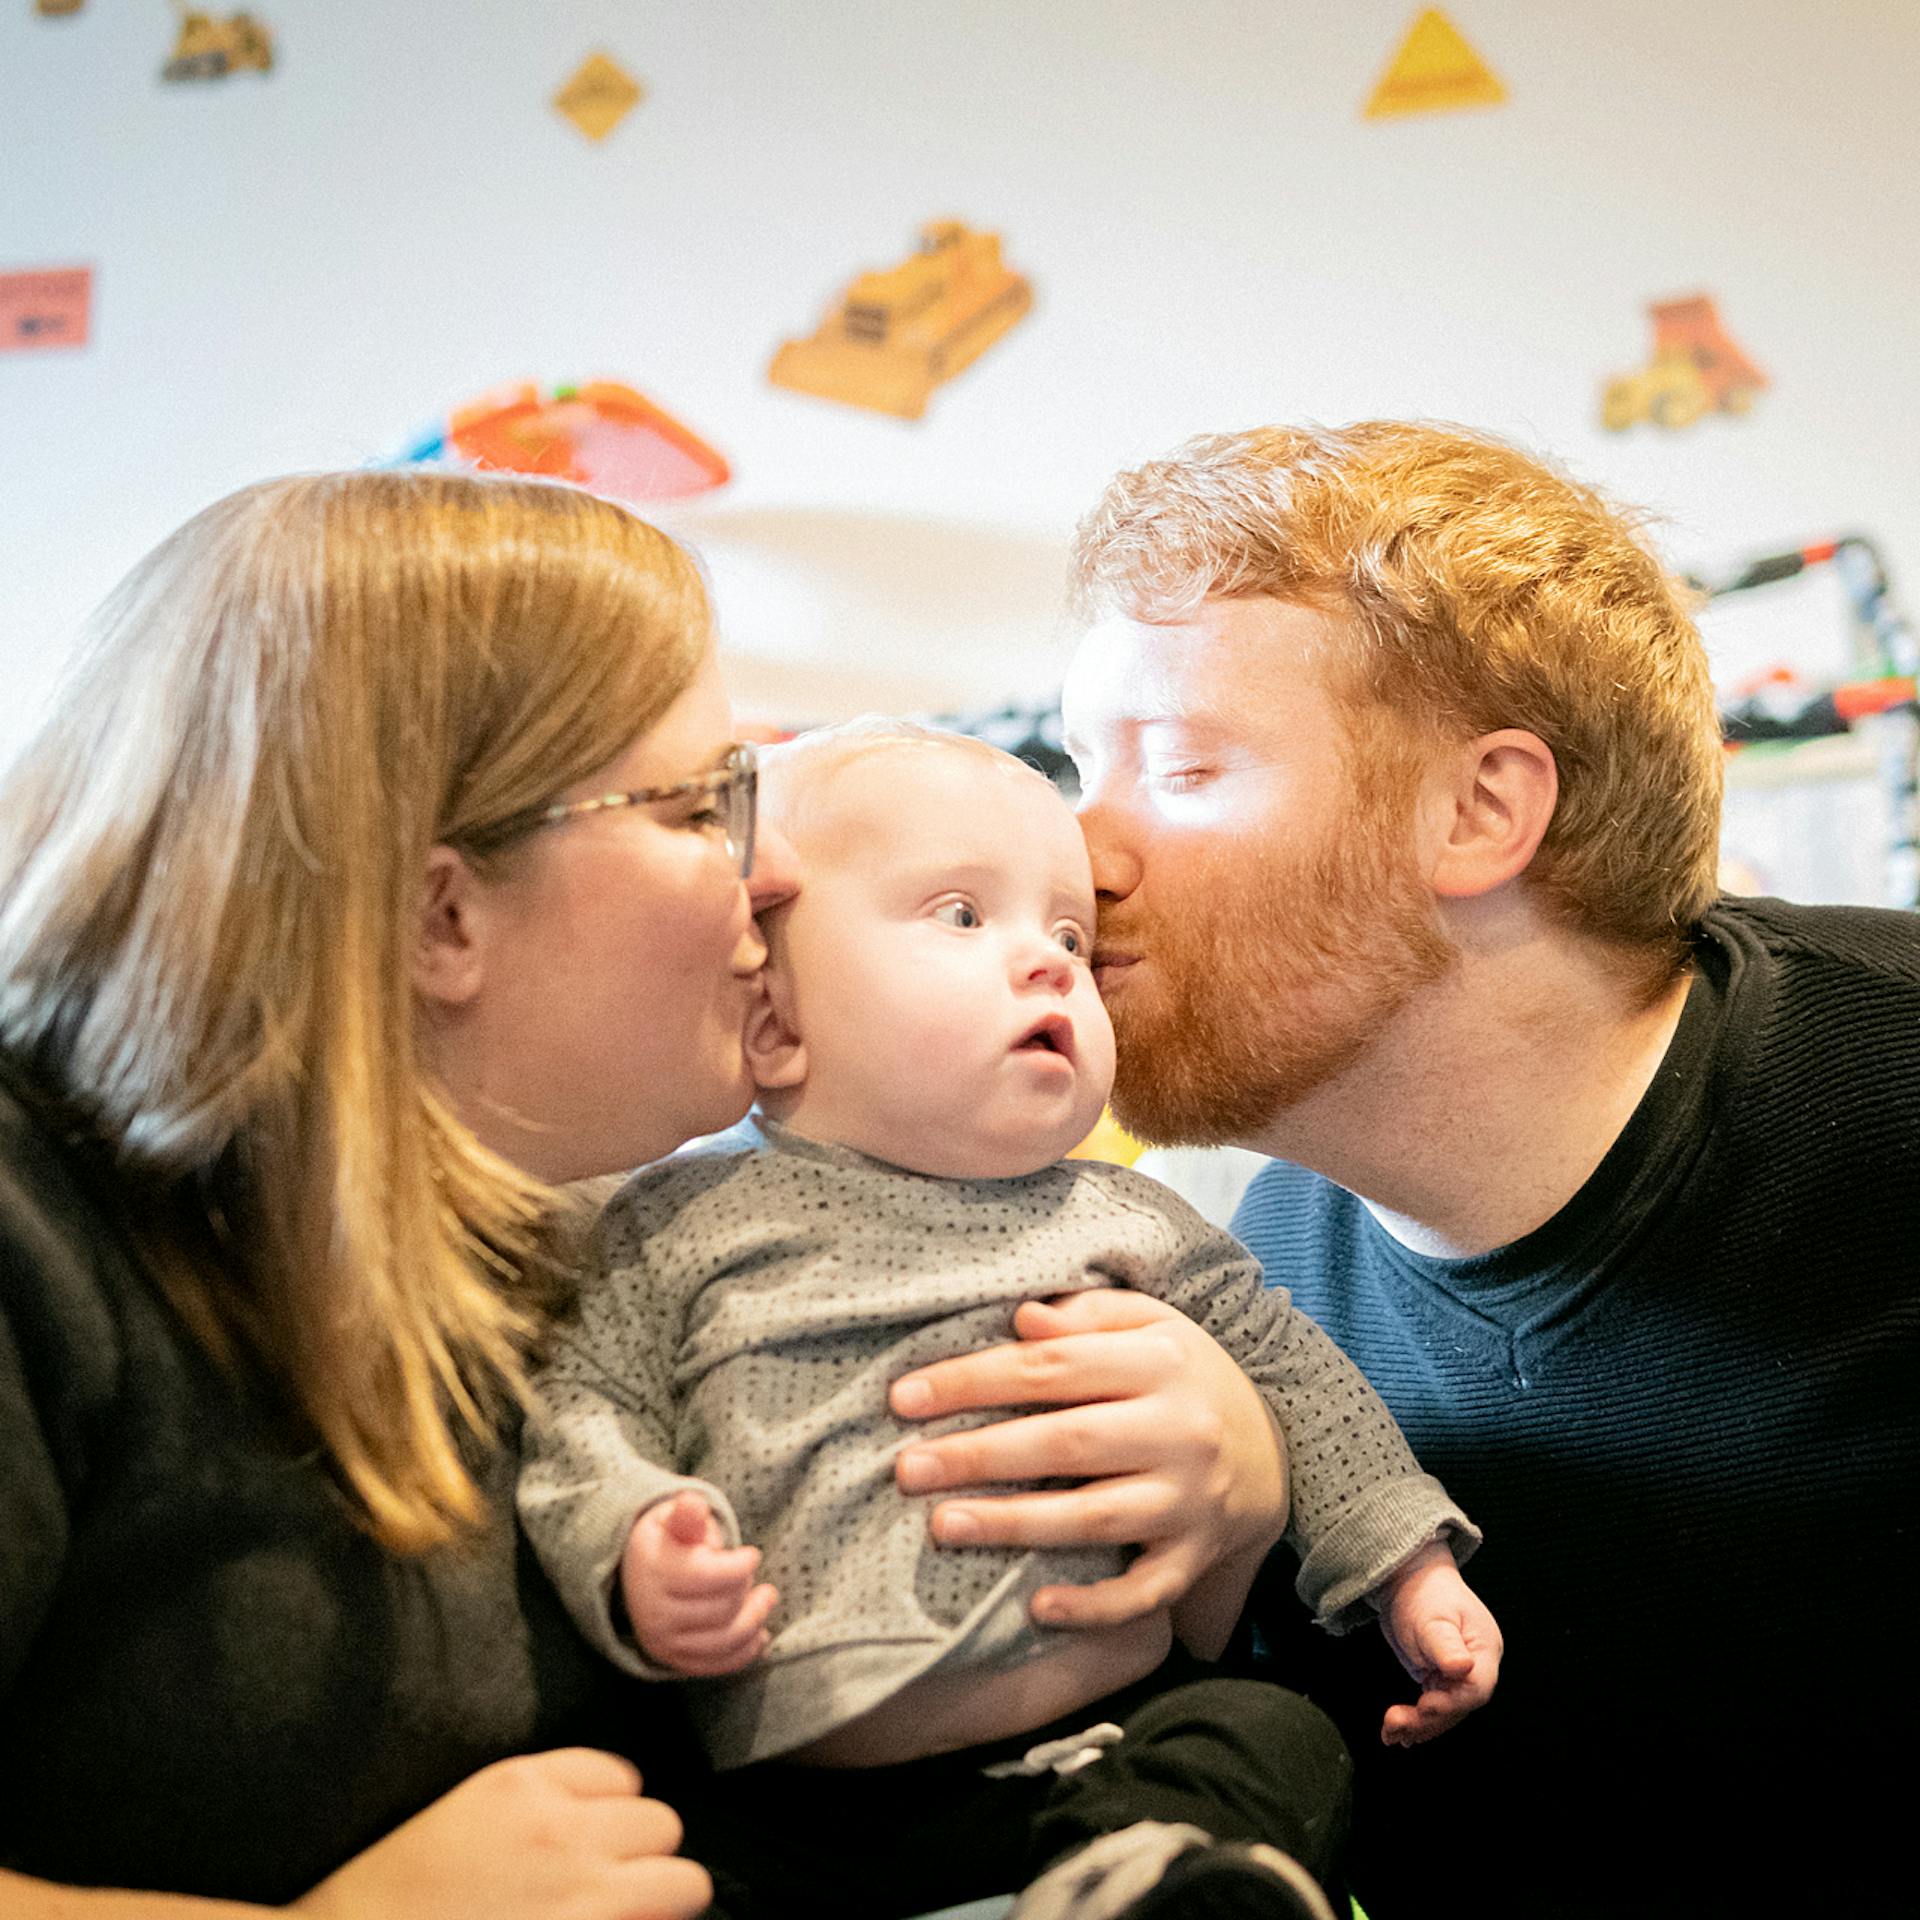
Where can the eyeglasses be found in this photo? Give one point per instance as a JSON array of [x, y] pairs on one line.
[[731, 790]]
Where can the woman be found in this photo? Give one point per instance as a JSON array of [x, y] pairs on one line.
[[386, 864]]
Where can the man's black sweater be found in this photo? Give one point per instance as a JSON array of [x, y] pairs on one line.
[[1687, 1413]]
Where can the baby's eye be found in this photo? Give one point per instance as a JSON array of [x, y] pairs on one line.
[[957, 913], [1073, 939]]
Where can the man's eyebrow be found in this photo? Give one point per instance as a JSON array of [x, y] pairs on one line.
[[1194, 718], [1203, 720]]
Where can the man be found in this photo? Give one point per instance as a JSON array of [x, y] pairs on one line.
[[1401, 777]]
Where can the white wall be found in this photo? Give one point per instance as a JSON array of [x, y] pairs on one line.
[[307, 270]]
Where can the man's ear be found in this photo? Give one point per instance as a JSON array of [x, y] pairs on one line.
[[1493, 808], [447, 949], [776, 1055]]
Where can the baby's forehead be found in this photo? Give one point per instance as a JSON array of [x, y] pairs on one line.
[[839, 784], [916, 810]]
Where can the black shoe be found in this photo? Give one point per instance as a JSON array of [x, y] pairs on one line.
[[1154, 1871]]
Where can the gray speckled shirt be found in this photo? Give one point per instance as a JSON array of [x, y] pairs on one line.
[[753, 1301]]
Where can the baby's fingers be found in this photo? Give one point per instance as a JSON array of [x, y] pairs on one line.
[[1400, 1727], [702, 1573], [720, 1611], [704, 1650], [1444, 1648], [688, 1521], [1429, 1717]]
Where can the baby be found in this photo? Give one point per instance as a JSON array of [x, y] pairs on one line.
[[930, 1044]]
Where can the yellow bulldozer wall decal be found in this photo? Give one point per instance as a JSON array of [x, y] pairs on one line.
[[896, 334]]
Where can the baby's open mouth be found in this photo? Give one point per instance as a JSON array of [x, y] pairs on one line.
[[1054, 1034]]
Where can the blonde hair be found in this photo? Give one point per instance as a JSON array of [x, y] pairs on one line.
[[1480, 590], [211, 871]]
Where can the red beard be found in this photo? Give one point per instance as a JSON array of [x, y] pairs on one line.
[[1261, 973]]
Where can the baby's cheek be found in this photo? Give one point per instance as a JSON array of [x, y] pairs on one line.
[[1099, 1051]]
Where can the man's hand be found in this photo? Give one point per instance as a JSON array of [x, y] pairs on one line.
[[690, 1597], [1445, 1637], [1172, 1442]]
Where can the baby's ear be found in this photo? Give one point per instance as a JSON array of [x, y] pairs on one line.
[[776, 1055]]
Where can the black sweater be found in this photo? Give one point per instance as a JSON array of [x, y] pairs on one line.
[[1687, 1413], [211, 1681]]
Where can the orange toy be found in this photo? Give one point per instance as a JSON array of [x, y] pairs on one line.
[[601, 434]]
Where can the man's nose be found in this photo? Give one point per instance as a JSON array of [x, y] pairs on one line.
[[1110, 847]]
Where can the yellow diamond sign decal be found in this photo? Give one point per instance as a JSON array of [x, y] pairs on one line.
[[599, 96], [1433, 71]]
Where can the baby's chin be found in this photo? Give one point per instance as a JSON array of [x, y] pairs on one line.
[[959, 1156]]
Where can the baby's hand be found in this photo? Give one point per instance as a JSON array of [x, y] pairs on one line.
[[1445, 1637], [691, 1599]]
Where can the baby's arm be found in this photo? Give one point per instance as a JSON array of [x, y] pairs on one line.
[[599, 1454], [691, 1599], [1361, 1507], [1372, 1530], [1444, 1636]]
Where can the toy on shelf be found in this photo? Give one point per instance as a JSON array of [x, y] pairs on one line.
[[1695, 369], [1780, 705], [897, 334], [601, 435], [209, 48], [1885, 696]]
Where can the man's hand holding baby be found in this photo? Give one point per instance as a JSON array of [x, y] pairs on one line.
[[691, 1599], [1445, 1637]]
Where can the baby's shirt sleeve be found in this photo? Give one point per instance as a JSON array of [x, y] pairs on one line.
[[599, 1448], [1361, 1505]]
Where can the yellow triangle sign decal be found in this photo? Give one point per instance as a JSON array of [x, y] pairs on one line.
[[1434, 71]]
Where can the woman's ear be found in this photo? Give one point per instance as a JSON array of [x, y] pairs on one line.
[[1493, 809], [447, 969], [776, 1055]]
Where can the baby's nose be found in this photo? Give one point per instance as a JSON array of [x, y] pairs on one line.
[[1047, 965]]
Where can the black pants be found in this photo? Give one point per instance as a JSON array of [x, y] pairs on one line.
[[1241, 1758]]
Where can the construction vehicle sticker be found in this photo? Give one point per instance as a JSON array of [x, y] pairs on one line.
[[1695, 369], [896, 334], [599, 96], [46, 308], [209, 48], [1434, 71]]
